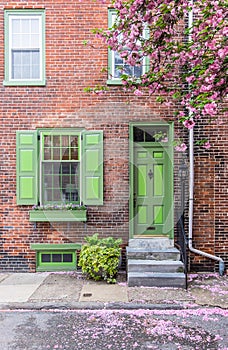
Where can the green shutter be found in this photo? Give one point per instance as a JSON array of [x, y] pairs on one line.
[[92, 168], [26, 167]]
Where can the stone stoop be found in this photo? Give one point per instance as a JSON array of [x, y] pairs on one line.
[[154, 263]]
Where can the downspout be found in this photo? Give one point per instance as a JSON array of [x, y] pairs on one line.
[[191, 185]]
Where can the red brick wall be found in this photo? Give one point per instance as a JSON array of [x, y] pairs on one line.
[[210, 200], [70, 67]]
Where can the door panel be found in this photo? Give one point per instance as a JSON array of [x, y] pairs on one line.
[[152, 195]]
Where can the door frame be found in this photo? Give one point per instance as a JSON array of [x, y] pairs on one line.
[[169, 148]]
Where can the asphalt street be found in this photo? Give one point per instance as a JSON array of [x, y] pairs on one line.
[[202, 329]]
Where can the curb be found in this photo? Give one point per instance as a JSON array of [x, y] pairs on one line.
[[49, 306]]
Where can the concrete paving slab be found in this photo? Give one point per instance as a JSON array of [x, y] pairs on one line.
[[58, 287], [20, 293], [204, 298], [103, 293], [19, 287], [25, 278], [156, 295], [3, 276]]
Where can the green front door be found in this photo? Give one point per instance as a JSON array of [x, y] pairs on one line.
[[152, 190]]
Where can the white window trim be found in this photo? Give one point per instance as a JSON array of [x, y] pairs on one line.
[[46, 132], [10, 15], [111, 56]]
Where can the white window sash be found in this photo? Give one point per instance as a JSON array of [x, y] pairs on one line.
[[12, 47], [113, 70]]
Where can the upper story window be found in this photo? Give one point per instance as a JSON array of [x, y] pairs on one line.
[[117, 65], [24, 47]]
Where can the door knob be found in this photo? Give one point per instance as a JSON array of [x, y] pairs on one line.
[[150, 174]]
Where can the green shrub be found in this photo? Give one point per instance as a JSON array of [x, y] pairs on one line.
[[99, 258]]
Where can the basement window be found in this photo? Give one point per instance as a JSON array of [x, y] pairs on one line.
[[56, 257], [56, 261]]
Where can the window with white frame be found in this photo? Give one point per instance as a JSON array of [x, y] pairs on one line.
[[117, 65], [24, 47], [60, 167]]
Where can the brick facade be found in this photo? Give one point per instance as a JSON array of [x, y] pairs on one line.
[[72, 66]]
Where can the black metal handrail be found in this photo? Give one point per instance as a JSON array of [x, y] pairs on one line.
[[182, 243]]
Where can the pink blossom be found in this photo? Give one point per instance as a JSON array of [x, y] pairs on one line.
[[221, 82], [138, 92], [189, 123], [222, 53], [207, 145], [190, 79], [181, 148], [210, 78], [205, 88], [225, 31], [210, 108], [124, 54], [203, 55], [211, 45]]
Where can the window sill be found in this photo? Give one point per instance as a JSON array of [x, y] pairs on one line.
[[114, 82], [58, 215], [24, 83]]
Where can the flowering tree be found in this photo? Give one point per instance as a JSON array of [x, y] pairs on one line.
[[188, 60]]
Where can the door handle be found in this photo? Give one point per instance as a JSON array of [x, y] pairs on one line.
[[150, 174]]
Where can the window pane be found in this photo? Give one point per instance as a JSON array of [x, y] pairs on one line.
[[56, 140], [35, 74], [25, 57], [56, 153], [65, 140], [16, 39], [35, 25], [138, 71], [56, 257], [35, 57], [34, 41], [25, 71], [65, 155], [138, 135], [45, 258], [151, 134], [120, 67], [25, 26], [47, 141], [16, 58], [16, 73], [16, 25], [67, 258], [22, 66], [74, 147], [25, 41]]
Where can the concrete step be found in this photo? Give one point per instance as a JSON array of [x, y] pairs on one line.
[[153, 254], [156, 279], [137, 265], [151, 243]]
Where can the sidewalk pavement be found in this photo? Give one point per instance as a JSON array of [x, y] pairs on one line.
[[70, 290]]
